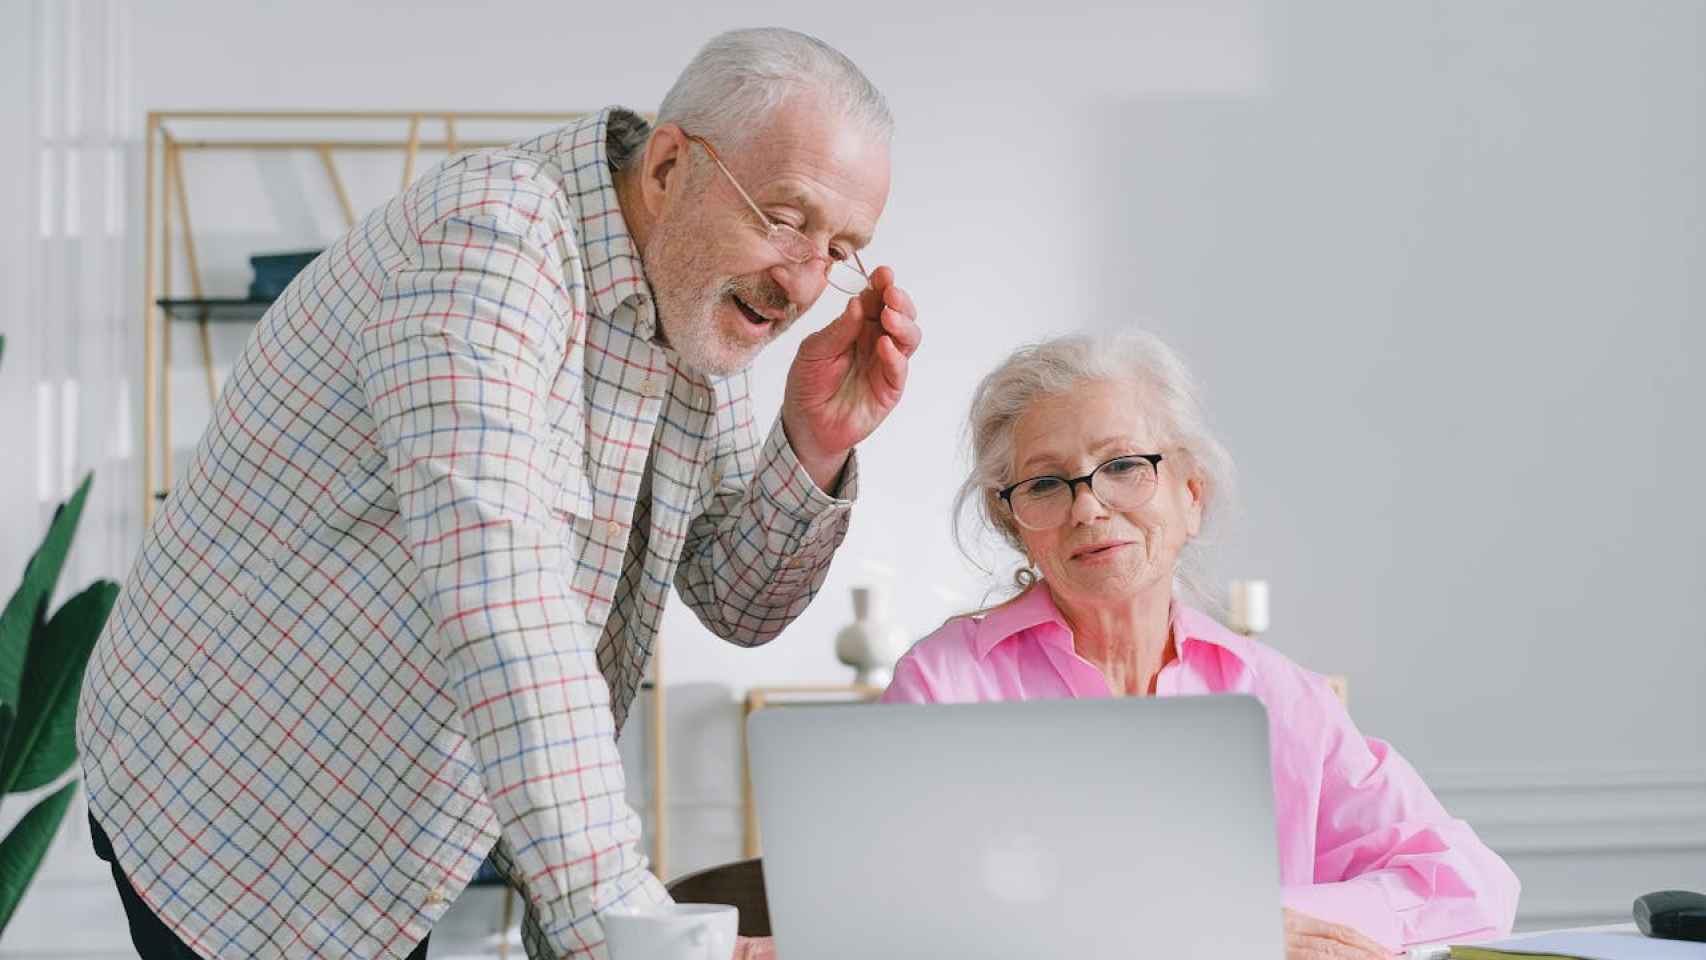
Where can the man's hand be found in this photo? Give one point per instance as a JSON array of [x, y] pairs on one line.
[[848, 376], [1307, 938], [762, 948]]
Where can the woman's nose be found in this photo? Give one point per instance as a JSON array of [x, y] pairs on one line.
[[1086, 506]]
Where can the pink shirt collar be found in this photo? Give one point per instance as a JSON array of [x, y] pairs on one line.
[[1194, 632]]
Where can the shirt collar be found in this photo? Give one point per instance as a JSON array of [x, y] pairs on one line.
[[614, 272], [1194, 632], [1033, 608]]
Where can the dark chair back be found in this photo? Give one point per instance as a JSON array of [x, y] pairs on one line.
[[739, 884]]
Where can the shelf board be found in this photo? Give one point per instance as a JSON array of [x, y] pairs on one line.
[[214, 309]]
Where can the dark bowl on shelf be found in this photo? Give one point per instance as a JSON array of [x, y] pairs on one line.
[[274, 271]]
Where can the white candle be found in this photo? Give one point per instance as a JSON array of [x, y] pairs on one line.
[[1249, 606]]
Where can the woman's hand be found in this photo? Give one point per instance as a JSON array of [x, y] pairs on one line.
[[751, 948], [1307, 938]]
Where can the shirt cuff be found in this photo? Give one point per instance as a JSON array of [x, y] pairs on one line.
[[1352, 903], [787, 484]]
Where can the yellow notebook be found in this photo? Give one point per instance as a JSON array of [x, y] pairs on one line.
[[1482, 953], [1582, 945]]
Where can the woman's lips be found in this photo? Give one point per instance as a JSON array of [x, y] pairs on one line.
[[1101, 550]]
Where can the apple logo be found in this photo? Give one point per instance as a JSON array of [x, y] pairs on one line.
[[1019, 868]]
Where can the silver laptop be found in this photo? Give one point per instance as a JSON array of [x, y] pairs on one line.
[[1077, 829]]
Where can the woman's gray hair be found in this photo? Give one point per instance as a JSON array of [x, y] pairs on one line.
[[739, 77], [1169, 401]]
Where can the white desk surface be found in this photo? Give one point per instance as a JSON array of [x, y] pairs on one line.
[[1438, 951]]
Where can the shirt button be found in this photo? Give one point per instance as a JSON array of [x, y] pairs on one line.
[[435, 896], [648, 388], [615, 529]]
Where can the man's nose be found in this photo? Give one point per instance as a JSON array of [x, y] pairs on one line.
[[802, 282]]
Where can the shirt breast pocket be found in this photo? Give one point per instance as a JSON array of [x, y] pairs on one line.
[[571, 496]]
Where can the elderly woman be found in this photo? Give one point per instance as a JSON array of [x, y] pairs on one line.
[[1091, 458]]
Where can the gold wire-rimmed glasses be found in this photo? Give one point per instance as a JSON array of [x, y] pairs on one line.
[[843, 268], [1123, 483]]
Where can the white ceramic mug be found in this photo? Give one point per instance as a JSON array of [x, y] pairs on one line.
[[672, 931]]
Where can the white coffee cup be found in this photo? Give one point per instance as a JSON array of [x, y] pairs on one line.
[[671, 931]]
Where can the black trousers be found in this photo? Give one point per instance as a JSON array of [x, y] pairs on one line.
[[153, 939]]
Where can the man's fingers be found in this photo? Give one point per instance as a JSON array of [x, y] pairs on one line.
[[871, 298], [838, 335], [906, 332], [890, 372], [899, 299]]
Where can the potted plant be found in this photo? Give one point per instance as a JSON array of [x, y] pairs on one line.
[[42, 657]]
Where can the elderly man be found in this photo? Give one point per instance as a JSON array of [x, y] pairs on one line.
[[395, 612]]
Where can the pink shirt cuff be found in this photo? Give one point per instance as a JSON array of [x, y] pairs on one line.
[[1354, 903]]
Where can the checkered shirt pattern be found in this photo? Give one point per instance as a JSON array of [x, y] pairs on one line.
[[397, 607]]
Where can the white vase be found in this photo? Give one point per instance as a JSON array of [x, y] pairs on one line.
[[871, 644]]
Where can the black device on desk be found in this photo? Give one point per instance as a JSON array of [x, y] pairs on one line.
[[1672, 915]]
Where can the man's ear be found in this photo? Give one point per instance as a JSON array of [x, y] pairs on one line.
[[663, 168]]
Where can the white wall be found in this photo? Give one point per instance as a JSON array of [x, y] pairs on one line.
[[1440, 265], [17, 369], [1445, 280]]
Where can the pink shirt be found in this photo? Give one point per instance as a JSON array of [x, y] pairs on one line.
[[1362, 841]]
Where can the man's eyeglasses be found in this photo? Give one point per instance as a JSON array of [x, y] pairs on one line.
[[843, 267], [1123, 483]]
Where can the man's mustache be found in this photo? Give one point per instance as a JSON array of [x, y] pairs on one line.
[[768, 297]]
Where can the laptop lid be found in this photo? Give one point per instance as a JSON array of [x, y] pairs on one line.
[[1084, 829]]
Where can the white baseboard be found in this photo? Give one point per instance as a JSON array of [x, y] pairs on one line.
[[1585, 845]]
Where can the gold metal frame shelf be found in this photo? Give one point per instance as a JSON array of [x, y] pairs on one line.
[[166, 223], [213, 309]]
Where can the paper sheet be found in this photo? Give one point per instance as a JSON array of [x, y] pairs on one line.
[[1612, 945]]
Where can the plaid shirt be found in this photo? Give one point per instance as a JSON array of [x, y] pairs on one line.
[[399, 604]]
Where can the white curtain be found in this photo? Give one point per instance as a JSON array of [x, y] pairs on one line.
[[70, 309], [73, 358]]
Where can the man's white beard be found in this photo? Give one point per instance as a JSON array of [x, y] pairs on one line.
[[690, 325], [700, 342]]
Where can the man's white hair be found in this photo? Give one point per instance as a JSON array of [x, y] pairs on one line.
[[737, 78], [1167, 396]]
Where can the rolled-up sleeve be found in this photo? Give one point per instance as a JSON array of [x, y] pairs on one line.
[[761, 550], [457, 365], [1390, 861]]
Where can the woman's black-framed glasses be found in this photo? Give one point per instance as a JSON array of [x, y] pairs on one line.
[[1123, 483], [843, 268]]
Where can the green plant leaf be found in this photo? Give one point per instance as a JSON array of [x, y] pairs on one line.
[[6, 716], [22, 851], [44, 735], [28, 606]]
